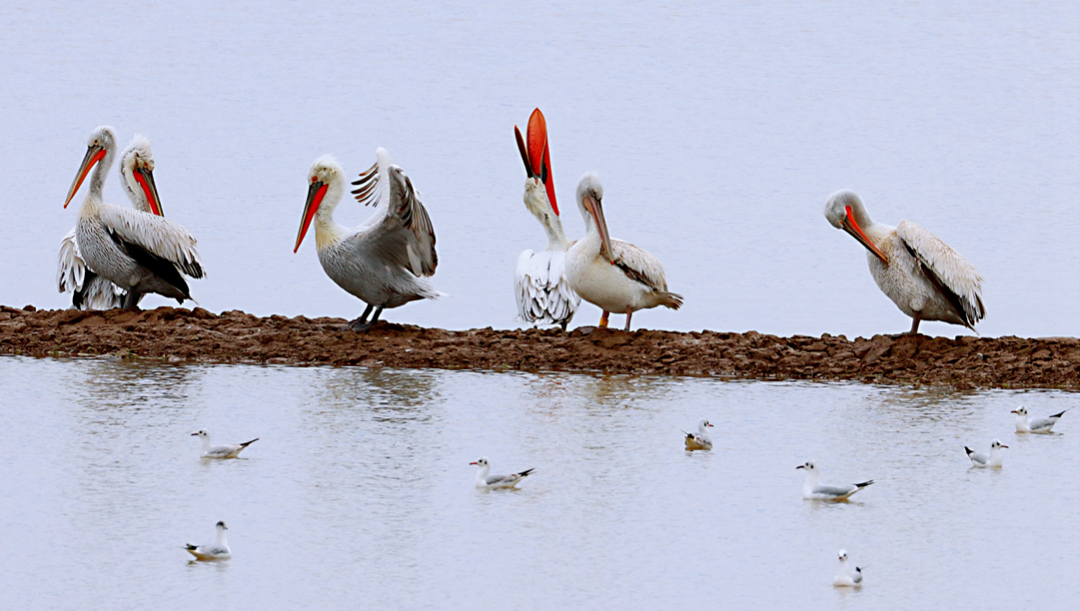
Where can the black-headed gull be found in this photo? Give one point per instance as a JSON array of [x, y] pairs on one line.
[[209, 451], [491, 482], [1038, 425], [218, 551], [983, 461], [847, 577], [700, 441], [814, 491]]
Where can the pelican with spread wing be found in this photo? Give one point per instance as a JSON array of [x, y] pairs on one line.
[[543, 293], [387, 261], [140, 252], [89, 290], [925, 278], [613, 275]]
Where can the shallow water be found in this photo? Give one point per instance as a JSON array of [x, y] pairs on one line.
[[359, 492], [719, 131]]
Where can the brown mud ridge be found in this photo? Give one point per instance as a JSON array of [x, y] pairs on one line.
[[235, 337]]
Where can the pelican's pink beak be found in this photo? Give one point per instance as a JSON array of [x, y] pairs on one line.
[[597, 211], [856, 232], [315, 195], [145, 178], [540, 155], [94, 154]]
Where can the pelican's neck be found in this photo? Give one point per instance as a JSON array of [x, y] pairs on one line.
[[556, 236], [97, 179], [329, 232], [536, 200]]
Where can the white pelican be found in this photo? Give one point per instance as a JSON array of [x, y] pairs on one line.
[[542, 291], [701, 440], [1038, 425], [615, 276], [925, 278], [386, 261], [218, 551], [814, 491], [89, 290], [492, 482], [847, 577], [210, 451], [139, 252], [982, 461]]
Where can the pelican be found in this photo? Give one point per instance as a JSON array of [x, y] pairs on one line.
[[89, 290], [387, 260], [218, 551], [925, 278], [615, 276], [543, 293], [137, 251]]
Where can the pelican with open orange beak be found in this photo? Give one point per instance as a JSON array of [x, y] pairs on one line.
[[542, 292], [925, 278], [613, 275], [137, 250], [386, 262]]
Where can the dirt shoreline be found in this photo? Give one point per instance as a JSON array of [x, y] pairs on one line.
[[236, 337]]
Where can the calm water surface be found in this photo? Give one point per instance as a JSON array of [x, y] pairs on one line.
[[359, 493]]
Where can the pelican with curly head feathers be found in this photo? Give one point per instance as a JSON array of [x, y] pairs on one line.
[[925, 278], [543, 293], [140, 252], [386, 261], [89, 290], [613, 275]]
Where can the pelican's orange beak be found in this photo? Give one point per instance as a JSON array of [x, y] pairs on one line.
[[94, 154], [145, 178], [315, 195], [594, 208], [856, 232], [539, 154]]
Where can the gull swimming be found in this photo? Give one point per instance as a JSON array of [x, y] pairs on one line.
[[218, 551], [701, 440], [983, 461], [492, 482], [847, 577], [813, 491], [1038, 425], [209, 451]]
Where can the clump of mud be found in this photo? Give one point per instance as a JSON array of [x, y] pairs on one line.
[[235, 337]]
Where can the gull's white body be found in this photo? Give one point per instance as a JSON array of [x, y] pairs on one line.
[[984, 461], [108, 235], [701, 440], [218, 551], [813, 490], [97, 293], [1038, 425], [630, 280], [212, 451], [492, 482], [387, 260], [925, 278], [847, 577]]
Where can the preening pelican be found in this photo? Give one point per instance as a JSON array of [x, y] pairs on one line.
[[89, 290], [613, 275], [925, 278], [543, 293], [139, 252], [387, 260]]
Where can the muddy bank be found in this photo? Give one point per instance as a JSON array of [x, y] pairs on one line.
[[236, 337]]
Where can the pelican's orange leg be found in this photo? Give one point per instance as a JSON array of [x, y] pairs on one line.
[[603, 319]]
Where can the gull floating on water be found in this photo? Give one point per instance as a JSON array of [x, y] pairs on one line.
[[218, 551], [701, 440], [209, 451], [491, 482], [1038, 425], [847, 577], [983, 461], [813, 491]]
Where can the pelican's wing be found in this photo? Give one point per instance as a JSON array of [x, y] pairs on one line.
[[157, 235], [70, 268], [542, 291], [956, 279], [639, 265], [97, 293], [403, 234]]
